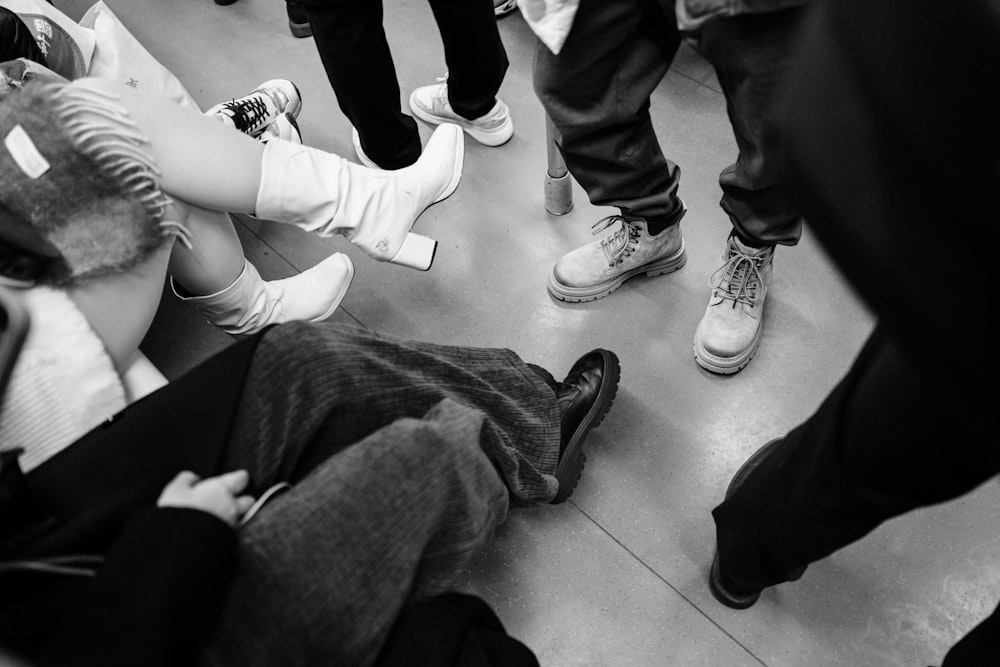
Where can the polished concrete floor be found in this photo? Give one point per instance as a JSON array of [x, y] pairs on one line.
[[616, 576]]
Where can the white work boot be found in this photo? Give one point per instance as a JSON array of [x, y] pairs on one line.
[[730, 331], [599, 268], [323, 193], [251, 303]]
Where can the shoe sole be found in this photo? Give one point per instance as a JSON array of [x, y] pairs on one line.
[[582, 294], [722, 595], [570, 468], [360, 152], [493, 138], [727, 365], [300, 29]]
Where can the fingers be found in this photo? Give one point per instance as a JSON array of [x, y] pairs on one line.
[[184, 480], [234, 481]]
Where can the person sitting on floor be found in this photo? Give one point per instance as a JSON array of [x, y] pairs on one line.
[[380, 465]]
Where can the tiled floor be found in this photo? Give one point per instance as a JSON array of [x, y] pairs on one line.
[[617, 575]]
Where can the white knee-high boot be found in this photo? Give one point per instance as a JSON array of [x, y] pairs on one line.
[[324, 193], [251, 303]]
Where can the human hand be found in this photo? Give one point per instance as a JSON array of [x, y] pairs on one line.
[[218, 496]]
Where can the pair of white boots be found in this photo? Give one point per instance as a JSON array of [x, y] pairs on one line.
[[323, 193]]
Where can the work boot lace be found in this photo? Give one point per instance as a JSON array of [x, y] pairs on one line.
[[247, 113], [619, 244], [739, 279]]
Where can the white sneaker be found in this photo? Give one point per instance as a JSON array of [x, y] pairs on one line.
[[360, 152], [501, 7], [730, 331], [430, 104], [283, 127], [599, 268], [253, 112]]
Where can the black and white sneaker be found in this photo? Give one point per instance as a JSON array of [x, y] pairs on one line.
[[261, 107]]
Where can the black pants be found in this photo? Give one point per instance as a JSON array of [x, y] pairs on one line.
[[355, 54], [890, 438], [597, 93]]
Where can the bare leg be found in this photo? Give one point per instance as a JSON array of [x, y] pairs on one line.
[[215, 168], [200, 160], [215, 259], [120, 307]]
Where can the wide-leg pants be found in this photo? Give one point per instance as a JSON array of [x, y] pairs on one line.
[[890, 438], [403, 458], [597, 93]]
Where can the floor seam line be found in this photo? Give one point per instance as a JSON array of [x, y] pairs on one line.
[[669, 585]]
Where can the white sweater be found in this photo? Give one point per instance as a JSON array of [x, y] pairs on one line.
[[63, 385]]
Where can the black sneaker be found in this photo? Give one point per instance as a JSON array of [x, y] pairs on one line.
[[298, 22]]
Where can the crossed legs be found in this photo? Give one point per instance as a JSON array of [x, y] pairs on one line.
[[403, 456]]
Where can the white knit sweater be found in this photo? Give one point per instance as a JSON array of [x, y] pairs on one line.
[[63, 385]]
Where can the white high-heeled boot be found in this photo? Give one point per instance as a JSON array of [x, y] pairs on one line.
[[251, 303], [324, 193]]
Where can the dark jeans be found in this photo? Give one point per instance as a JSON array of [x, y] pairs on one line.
[[597, 92], [890, 438], [355, 54]]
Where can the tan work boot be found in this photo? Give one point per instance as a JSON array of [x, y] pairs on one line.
[[600, 267], [730, 330]]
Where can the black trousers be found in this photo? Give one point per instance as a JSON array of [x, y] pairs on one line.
[[892, 151], [890, 438], [355, 53]]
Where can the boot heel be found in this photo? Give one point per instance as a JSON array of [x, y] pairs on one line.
[[417, 252]]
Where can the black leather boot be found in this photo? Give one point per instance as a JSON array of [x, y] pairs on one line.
[[584, 398]]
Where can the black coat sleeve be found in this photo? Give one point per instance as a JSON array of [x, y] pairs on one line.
[[154, 602]]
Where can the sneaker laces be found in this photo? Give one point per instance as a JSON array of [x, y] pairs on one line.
[[739, 279], [442, 93], [247, 113], [618, 245]]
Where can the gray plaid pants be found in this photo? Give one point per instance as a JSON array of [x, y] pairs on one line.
[[403, 458]]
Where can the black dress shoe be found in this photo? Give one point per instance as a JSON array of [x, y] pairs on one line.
[[584, 398], [722, 589]]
